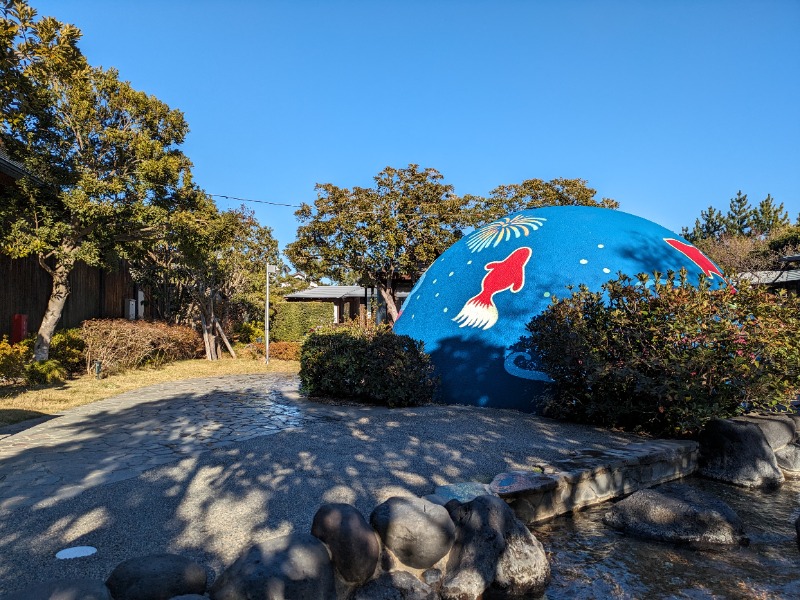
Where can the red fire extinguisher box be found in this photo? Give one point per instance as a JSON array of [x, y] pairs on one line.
[[19, 328]]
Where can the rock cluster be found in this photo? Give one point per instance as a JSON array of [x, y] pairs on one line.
[[414, 549], [754, 451]]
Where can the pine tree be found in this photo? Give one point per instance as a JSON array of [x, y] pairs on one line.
[[769, 218], [711, 224], [739, 220]]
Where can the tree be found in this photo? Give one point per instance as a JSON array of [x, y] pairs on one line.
[[739, 219], [534, 193], [211, 265], [745, 239], [710, 225], [399, 227], [378, 234], [106, 168], [769, 218]]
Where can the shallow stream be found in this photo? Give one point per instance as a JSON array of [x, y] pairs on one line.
[[591, 560]]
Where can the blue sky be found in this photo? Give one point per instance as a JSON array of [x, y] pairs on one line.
[[667, 107]]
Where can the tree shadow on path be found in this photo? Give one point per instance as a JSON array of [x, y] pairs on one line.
[[211, 506]]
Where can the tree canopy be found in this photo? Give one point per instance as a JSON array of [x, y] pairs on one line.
[[741, 219], [104, 158], [396, 229], [375, 235], [533, 193], [746, 238]]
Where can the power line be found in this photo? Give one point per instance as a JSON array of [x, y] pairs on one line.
[[347, 211], [252, 200]]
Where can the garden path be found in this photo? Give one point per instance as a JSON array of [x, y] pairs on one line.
[[119, 438]]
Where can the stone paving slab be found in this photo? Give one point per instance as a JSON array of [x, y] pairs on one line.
[[119, 438]]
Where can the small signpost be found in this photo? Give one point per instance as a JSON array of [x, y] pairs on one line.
[[270, 269]]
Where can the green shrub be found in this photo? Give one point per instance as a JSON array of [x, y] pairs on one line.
[[249, 332], [68, 348], [121, 344], [294, 320], [665, 359], [45, 372], [371, 365], [12, 360], [285, 350]]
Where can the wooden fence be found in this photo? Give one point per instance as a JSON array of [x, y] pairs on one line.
[[25, 289]]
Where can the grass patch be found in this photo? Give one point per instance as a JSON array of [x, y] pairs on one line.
[[18, 403]]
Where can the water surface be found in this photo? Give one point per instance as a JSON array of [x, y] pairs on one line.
[[591, 560]]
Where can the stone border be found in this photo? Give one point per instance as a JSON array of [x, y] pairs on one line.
[[588, 478]]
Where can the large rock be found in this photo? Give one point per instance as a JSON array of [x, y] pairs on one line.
[[494, 556], [416, 530], [353, 544], [285, 568], [397, 585], [64, 589], [780, 430], [788, 459], [738, 452], [678, 513], [797, 530], [156, 577]]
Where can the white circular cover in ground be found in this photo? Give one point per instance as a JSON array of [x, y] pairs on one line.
[[76, 552]]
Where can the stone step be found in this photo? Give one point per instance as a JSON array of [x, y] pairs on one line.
[[592, 477]]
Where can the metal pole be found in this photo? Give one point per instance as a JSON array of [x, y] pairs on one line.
[[270, 269], [266, 322]]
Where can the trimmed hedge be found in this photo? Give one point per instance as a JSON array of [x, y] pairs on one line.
[[666, 356], [121, 344], [294, 320], [371, 365]]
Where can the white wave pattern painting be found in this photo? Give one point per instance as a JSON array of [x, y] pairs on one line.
[[498, 231]]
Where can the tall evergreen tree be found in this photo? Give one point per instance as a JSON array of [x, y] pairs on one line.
[[769, 218], [739, 219], [710, 225]]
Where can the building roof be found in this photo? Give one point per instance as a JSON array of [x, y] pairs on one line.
[[336, 292], [769, 277], [11, 167], [329, 292]]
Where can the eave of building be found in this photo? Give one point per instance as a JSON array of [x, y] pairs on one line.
[[11, 167], [768, 277]]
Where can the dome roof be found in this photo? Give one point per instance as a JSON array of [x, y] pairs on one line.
[[472, 305]]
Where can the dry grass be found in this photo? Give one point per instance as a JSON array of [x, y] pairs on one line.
[[18, 404]]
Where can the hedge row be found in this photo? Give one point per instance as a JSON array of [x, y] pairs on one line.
[[294, 320], [120, 344]]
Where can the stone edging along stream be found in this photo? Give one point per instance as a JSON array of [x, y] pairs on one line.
[[588, 478]]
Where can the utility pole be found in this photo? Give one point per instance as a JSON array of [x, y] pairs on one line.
[[270, 269]]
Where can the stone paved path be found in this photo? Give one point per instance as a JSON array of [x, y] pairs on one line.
[[121, 437]]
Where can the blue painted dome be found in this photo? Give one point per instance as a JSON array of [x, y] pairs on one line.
[[471, 306]]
